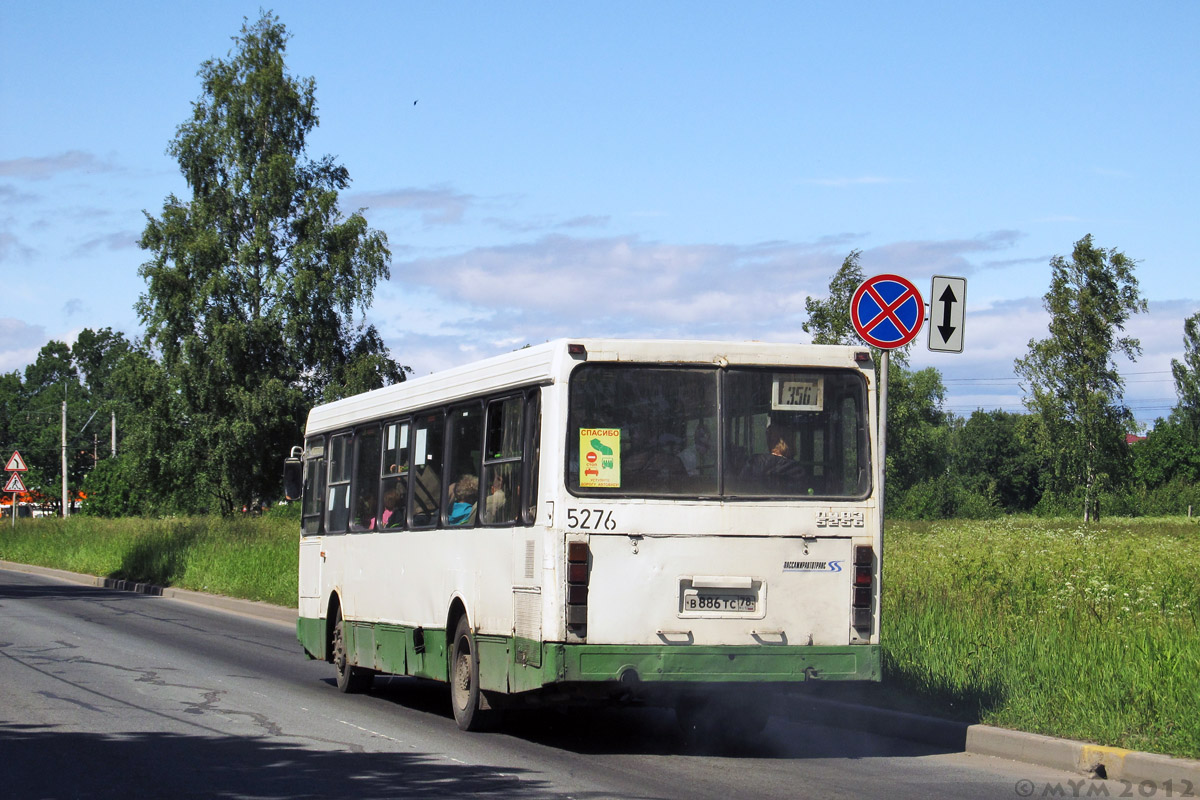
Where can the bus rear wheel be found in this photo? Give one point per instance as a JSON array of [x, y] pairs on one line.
[[470, 709], [350, 679]]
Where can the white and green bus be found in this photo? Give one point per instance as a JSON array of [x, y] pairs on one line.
[[588, 519]]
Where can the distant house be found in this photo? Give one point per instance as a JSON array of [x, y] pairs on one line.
[[1133, 438]]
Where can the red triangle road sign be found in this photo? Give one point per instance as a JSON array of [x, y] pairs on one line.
[[14, 483], [16, 464]]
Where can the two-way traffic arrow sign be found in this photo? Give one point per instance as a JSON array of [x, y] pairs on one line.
[[947, 301]]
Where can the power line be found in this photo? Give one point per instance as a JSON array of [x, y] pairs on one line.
[[1008, 379]]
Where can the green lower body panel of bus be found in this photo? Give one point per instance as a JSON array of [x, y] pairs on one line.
[[514, 665], [723, 663]]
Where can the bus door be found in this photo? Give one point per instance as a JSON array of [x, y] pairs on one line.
[[312, 517]]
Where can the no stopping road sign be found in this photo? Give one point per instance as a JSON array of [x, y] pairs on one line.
[[887, 311]]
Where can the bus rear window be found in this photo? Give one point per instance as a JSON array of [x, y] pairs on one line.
[[656, 431], [634, 431]]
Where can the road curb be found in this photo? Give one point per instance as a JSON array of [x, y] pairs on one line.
[[251, 608], [1091, 760]]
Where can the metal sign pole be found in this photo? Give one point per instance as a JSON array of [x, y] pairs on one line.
[[881, 468]]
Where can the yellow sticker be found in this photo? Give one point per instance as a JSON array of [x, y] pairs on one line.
[[600, 458]]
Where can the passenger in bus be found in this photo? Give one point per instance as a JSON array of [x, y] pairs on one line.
[[494, 503], [393, 509], [465, 493], [775, 469], [364, 515]]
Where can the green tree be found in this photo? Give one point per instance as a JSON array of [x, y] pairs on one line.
[[37, 425], [156, 469], [918, 428], [253, 283], [1171, 452], [31, 409], [12, 402], [992, 457], [12, 408], [1071, 378], [95, 355], [829, 319], [1187, 372]]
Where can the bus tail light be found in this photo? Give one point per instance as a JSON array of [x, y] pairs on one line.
[[577, 585], [863, 589]]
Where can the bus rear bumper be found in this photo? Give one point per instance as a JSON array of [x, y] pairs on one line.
[[634, 664]]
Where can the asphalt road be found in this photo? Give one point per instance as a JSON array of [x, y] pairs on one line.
[[109, 694]]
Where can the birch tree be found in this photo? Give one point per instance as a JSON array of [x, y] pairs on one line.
[[1070, 377]]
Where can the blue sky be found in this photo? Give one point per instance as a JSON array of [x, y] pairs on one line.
[[674, 169]]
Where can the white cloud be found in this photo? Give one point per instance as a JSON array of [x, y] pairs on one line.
[[19, 343], [919, 260], [44, 167], [490, 299], [624, 284], [119, 240], [438, 205], [12, 249]]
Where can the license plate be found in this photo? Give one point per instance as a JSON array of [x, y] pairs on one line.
[[700, 600]]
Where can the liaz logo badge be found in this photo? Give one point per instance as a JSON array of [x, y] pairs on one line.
[[812, 566]]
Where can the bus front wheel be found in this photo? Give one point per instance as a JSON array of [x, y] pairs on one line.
[[470, 711]]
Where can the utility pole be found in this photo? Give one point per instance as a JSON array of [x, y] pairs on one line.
[[114, 434], [66, 501]]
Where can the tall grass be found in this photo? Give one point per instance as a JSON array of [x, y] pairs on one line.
[[1051, 627], [252, 558]]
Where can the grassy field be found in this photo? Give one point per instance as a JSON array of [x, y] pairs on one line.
[[1039, 625], [1050, 627]]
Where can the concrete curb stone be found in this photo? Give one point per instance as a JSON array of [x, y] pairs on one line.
[[1092, 760]]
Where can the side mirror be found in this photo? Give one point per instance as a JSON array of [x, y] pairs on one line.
[[293, 475]]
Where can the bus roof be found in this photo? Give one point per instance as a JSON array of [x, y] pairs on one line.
[[548, 362]]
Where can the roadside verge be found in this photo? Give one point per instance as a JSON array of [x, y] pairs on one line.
[[251, 608]]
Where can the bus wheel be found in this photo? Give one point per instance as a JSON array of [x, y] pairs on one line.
[[350, 679], [465, 696]]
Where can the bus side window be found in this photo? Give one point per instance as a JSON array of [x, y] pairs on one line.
[[394, 476], [365, 508], [425, 476], [531, 462], [503, 445], [337, 505], [463, 461], [314, 489]]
